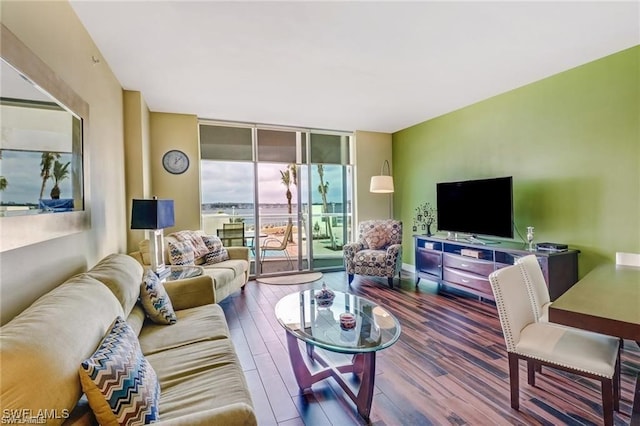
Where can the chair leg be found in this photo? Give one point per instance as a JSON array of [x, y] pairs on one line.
[[350, 278], [514, 381], [608, 401], [531, 372], [288, 258], [390, 280], [617, 383]]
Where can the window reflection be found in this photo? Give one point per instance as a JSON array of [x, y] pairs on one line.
[[40, 150]]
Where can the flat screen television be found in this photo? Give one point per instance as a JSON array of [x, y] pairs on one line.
[[476, 207]]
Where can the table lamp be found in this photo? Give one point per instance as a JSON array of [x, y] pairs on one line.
[[153, 215]]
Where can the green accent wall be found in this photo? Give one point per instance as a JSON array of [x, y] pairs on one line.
[[571, 143]]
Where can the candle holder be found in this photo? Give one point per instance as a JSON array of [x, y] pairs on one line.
[[530, 235]]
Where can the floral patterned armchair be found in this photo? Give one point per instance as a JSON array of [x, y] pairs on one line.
[[378, 251]]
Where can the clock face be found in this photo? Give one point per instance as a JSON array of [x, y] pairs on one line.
[[175, 162]]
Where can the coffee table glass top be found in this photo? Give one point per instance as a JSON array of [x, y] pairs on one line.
[[375, 328]]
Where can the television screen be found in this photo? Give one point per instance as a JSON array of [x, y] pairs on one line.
[[477, 207]]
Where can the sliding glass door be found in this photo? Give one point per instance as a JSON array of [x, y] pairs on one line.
[[291, 189]]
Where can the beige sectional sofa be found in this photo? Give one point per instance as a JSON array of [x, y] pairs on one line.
[[226, 277], [201, 380]]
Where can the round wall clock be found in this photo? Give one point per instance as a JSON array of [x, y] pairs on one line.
[[175, 162]]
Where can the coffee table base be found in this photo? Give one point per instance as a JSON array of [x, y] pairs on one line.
[[363, 364]]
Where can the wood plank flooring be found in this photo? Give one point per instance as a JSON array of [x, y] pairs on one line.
[[449, 366]]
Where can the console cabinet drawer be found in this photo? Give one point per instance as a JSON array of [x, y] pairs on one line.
[[473, 281], [429, 262], [469, 264]]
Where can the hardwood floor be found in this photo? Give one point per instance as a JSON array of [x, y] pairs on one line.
[[448, 367]]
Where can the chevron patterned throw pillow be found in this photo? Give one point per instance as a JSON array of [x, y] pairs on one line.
[[155, 300], [120, 384]]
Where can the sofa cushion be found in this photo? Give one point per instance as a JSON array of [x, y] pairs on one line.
[[222, 276], [199, 376], [136, 318], [144, 247], [181, 253], [238, 266], [155, 300], [122, 274], [43, 346], [120, 384], [197, 324]]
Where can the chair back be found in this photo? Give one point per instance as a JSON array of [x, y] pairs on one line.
[[390, 227], [232, 234], [536, 284], [627, 259], [267, 242], [513, 303]]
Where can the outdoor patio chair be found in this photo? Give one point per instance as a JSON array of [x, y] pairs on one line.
[[272, 243], [232, 234]]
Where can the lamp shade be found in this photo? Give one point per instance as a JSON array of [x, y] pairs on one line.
[[152, 214], [381, 184]]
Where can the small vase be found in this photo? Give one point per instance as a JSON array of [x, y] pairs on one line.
[[429, 231]]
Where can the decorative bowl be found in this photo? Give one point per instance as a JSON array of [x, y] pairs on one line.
[[324, 298]]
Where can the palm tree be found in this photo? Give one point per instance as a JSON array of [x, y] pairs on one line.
[[288, 177], [45, 168], [60, 173], [323, 189]]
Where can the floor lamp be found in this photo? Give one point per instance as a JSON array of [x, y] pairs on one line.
[[383, 184], [153, 215]]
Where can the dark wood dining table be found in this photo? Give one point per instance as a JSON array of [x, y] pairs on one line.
[[607, 301]]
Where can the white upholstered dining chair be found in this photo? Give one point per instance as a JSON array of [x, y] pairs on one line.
[[537, 286], [580, 352]]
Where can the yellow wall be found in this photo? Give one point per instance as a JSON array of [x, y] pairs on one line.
[[371, 149], [54, 33], [177, 131], [137, 161]]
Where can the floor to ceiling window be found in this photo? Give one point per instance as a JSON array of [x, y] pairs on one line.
[[299, 180]]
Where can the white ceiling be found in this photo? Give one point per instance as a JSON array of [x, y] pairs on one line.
[[378, 66]]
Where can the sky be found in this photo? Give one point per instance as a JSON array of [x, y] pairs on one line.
[[232, 182], [222, 182], [22, 171]]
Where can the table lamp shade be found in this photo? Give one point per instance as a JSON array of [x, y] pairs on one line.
[[152, 214], [382, 184]]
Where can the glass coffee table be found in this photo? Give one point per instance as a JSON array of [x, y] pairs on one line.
[[175, 273], [319, 327]]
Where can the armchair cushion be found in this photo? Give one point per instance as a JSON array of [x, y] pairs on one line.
[[376, 238]]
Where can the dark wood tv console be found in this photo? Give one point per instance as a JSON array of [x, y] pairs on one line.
[[466, 266]]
